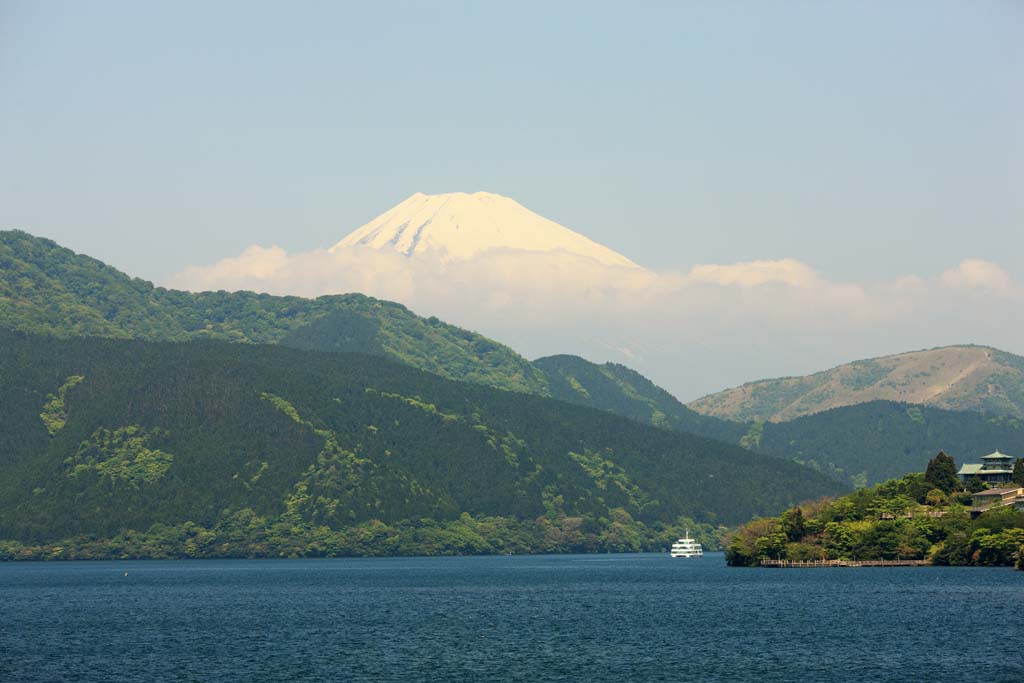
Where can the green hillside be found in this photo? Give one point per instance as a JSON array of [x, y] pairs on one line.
[[860, 445], [618, 389], [871, 442], [106, 435], [920, 516], [47, 289]]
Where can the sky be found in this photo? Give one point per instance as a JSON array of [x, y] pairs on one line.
[[866, 151]]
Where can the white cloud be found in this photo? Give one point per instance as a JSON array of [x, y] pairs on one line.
[[257, 262], [754, 273], [694, 332], [979, 274]]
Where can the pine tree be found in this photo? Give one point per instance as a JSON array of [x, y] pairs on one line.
[[793, 524], [1018, 472], [941, 473]]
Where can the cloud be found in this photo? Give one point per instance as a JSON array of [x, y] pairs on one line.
[[693, 331], [256, 262], [975, 273], [754, 273]]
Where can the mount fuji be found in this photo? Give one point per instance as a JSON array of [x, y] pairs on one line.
[[458, 226]]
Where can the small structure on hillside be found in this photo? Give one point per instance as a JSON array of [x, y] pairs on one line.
[[995, 498], [994, 468]]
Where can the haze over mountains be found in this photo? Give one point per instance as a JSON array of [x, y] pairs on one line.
[[48, 289], [45, 288], [310, 449], [485, 262]]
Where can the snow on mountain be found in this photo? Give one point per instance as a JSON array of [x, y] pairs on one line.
[[459, 226]]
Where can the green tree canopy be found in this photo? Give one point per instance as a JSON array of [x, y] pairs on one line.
[[941, 473], [793, 524], [975, 484]]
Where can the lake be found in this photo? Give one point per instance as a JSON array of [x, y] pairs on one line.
[[524, 618]]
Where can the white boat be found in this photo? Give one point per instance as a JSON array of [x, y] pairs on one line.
[[686, 547]]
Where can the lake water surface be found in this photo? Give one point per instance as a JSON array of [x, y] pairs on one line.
[[553, 618]]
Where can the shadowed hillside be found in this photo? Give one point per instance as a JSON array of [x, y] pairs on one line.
[[872, 442], [45, 288], [104, 435]]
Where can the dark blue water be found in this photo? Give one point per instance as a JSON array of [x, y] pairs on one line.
[[564, 618]]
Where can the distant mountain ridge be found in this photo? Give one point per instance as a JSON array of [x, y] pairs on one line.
[[48, 289], [974, 378], [45, 288], [459, 226]]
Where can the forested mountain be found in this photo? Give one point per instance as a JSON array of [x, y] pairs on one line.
[[102, 435], [976, 378], [48, 289], [618, 389], [861, 445], [871, 442], [45, 288]]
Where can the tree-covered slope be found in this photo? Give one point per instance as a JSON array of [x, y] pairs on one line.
[[871, 442], [918, 516], [45, 288], [618, 389], [860, 445], [976, 378], [101, 435]]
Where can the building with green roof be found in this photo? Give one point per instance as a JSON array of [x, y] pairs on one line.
[[994, 468]]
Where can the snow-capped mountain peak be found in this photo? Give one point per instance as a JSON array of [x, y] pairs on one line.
[[459, 225]]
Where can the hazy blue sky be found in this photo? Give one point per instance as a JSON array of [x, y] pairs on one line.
[[869, 140], [865, 138]]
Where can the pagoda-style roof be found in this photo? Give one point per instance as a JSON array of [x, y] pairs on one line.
[[997, 456], [982, 468]]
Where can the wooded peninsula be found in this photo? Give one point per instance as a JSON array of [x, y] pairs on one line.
[[931, 516]]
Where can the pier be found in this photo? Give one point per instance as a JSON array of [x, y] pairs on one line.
[[808, 564]]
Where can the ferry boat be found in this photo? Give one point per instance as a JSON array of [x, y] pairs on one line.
[[686, 547]]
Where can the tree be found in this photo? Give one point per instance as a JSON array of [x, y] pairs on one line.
[[975, 484], [941, 473], [1018, 472], [935, 497], [793, 524]]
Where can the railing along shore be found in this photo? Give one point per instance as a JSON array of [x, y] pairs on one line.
[[800, 564]]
